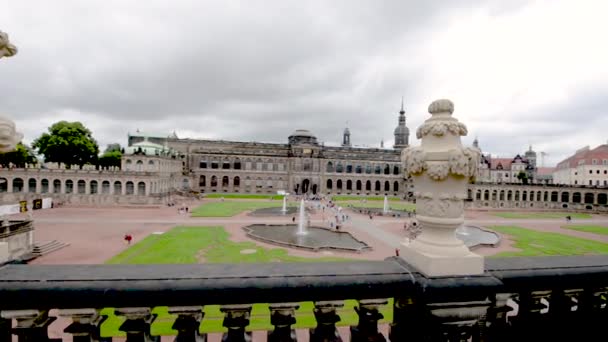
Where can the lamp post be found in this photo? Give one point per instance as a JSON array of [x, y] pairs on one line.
[[9, 137], [441, 168]]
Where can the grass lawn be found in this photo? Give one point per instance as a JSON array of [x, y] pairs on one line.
[[247, 196], [358, 198], [231, 208], [602, 230], [539, 215], [535, 243], [375, 204], [182, 245]]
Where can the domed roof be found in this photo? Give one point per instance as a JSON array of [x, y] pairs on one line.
[[302, 133], [148, 148], [402, 130]]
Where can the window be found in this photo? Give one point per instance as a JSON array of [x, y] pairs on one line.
[[605, 162], [605, 172], [214, 165], [590, 182], [590, 171], [575, 173], [598, 172], [594, 161], [203, 165], [575, 182]]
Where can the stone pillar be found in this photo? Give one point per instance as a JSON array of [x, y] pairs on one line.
[[441, 168]]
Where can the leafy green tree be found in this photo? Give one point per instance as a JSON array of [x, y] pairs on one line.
[[111, 156], [19, 157], [523, 177], [69, 143]]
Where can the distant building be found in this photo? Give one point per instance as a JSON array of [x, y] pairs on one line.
[[586, 166], [508, 170]]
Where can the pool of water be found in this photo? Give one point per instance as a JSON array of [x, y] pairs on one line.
[[274, 211], [473, 236]]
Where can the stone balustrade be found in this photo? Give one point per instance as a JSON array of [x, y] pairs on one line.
[[543, 298]]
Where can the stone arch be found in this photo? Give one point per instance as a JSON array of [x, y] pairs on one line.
[[486, 195], [478, 195], [368, 185], [501, 195], [226, 163], [494, 195], [129, 188], [378, 186], [602, 199], [141, 188], [589, 198], [546, 196], [225, 182], [509, 195], [387, 186], [538, 196], [237, 163], [329, 184], [396, 169], [213, 181], [387, 169], [554, 196], [524, 195], [31, 185], [202, 181], [44, 186], [531, 196], [3, 185], [56, 186], [81, 186], [349, 184], [339, 184], [516, 195], [69, 186], [236, 182], [17, 185], [378, 169], [565, 196], [396, 188], [359, 185], [117, 187], [329, 167], [93, 187], [139, 165], [339, 168], [576, 197]]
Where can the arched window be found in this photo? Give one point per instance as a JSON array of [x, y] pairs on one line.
[[531, 196], [329, 167], [387, 186], [501, 195], [494, 192], [237, 164], [602, 199], [225, 181], [517, 195], [93, 186], [130, 188], [236, 182], [554, 195], [589, 197], [478, 195], [565, 197], [576, 197], [358, 169], [509, 195], [202, 181], [31, 185], [226, 164], [339, 184], [387, 169], [368, 169], [17, 185], [3, 185], [69, 186], [524, 195], [141, 188], [56, 186], [546, 196], [396, 169], [359, 185], [339, 168], [349, 168], [368, 186], [349, 185], [139, 165], [378, 170], [44, 186], [486, 195], [213, 181], [396, 186], [377, 185], [82, 186], [117, 188], [329, 184]]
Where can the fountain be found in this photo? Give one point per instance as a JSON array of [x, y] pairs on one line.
[[284, 209], [385, 209], [301, 223]]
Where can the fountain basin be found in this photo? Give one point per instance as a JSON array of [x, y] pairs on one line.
[[274, 211], [316, 238], [474, 236]]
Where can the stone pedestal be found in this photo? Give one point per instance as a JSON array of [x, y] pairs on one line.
[[441, 168]]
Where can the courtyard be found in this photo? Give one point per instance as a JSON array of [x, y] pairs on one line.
[[166, 235]]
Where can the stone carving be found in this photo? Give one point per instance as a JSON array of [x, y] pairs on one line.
[[6, 48], [8, 135], [440, 168]]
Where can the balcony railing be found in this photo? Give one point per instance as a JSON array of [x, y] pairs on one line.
[[517, 299]]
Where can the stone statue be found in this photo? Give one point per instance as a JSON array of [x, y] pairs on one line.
[[8, 135], [441, 167]]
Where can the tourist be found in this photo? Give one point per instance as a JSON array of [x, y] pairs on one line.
[[293, 219], [128, 238]]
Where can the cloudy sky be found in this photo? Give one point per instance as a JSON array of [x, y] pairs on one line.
[[519, 72]]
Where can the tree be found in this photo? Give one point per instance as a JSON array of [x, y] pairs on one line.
[[523, 177], [19, 157], [111, 156], [69, 143]]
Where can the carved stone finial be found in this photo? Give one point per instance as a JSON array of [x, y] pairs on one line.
[[6, 48], [441, 106], [9, 137]]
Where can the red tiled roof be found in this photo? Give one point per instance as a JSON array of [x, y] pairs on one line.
[[544, 170], [505, 162], [599, 153]]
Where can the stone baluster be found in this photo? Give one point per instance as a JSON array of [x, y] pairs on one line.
[[408, 320], [283, 316], [236, 319], [86, 324], [187, 323], [562, 315], [458, 321], [496, 327], [592, 314], [31, 325], [326, 316], [138, 324], [369, 315], [529, 319]]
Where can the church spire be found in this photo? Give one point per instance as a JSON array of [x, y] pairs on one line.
[[346, 137], [402, 112], [402, 133]]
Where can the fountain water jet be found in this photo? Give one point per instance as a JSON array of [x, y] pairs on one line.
[[385, 208], [301, 223], [284, 209]]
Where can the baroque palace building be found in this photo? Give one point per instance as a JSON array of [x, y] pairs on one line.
[[154, 167]]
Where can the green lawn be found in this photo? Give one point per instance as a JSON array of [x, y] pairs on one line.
[[183, 245], [247, 196], [539, 215], [230, 208], [602, 230], [358, 198], [375, 204], [535, 243]]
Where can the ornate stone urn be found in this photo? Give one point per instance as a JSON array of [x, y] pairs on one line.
[[441, 168], [8, 135]]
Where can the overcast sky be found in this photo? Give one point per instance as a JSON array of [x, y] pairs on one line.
[[519, 72]]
